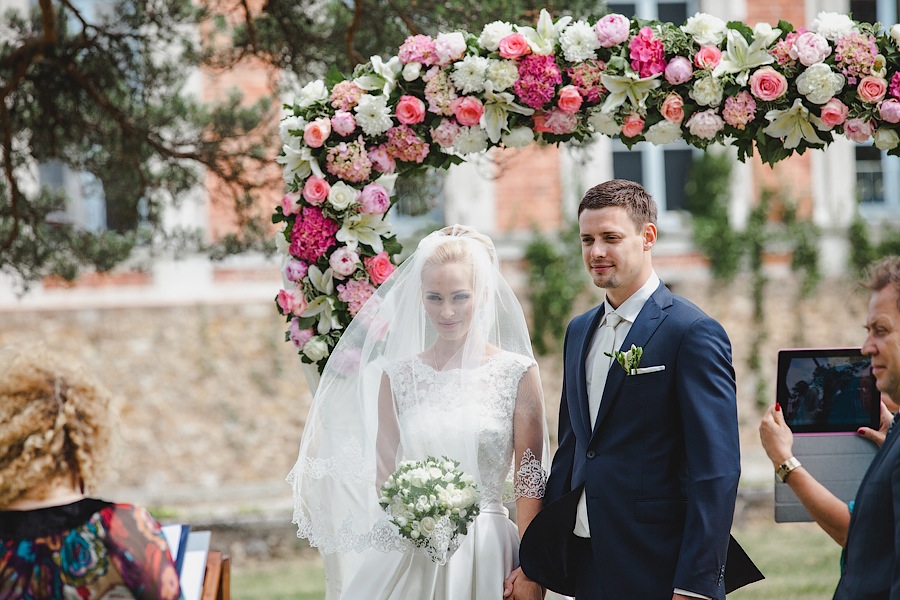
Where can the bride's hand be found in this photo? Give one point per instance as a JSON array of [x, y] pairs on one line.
[[519, 587]]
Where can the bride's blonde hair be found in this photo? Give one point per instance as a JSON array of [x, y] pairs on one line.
[[55, 420], [457, 250]]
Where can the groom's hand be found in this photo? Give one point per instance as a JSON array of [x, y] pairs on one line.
[[518, 587]]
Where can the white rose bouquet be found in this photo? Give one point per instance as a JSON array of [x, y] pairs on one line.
[[432, 503]]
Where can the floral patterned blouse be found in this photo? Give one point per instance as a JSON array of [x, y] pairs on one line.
[[86, 550]]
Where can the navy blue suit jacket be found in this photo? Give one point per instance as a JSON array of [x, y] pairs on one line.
[[873, 541], [660, 468]]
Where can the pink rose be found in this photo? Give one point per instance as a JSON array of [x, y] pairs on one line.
[[292, 302], [569, 99], [834, 112], [374, 199], [871, 89], [381, 159], [858, 130], [343, 261], [315, 190], [514, 46], [410, 110], [679, 70], [612, 29], [809, 48], [295, 270], [633, 125], [379, 267], [672, 108], [316, 132], [468, 110], [890, 111], [445, 134], [767, 84], [289, 204], [298, 336], [555, 121], [707, 57], [343, 123]]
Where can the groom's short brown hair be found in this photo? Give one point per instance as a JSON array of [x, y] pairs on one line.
[[620, 192]]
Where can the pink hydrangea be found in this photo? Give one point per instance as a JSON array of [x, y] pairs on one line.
[[855, 54], [648, 57], [894, 87], [345, 95], [538, 77], [439, 91], [312, 235], [420, 49], [355, 293], [585, 76], [343, 123], [298, 336], [404, 144], [349, 161], [739, 109]]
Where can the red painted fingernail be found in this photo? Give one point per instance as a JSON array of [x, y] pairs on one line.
[[860, 431], [777, 406]]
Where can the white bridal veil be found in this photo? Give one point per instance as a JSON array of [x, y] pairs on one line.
[[352, 440]]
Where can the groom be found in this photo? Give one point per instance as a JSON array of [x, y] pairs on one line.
[[641, 492]]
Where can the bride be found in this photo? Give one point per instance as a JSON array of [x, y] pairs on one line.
[[437, 363]]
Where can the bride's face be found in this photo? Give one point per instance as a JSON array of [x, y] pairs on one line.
[[449, 299]]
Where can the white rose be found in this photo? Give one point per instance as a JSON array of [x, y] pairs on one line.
[[492, 34], [518, 137], [579, 42], [316, 349], [707, 91], [411, 71], [291, 124], [706, 29], [427, 525], [341, 195], [886, 139], [604, 123], [312, 92], [819, 83], [664, 132], [832, 26]]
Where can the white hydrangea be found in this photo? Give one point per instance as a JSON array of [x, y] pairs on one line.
[[312, 92], [471, 139], [470, 73], [706, 29], [373, 114], [518, 137], [578, 42], [502, 74], [664, 132], [492, 34], [832, 26], [707, 91], [604, 123], [886, 139], [819, 83], [291, 123]]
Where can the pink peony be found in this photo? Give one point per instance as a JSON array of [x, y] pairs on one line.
[[679, 70], [316, 132], [859, 130], [707, 57], [345, 95], [374, 199], [767, 84], [343, 123], [672, 108], [633, 125], [295, 270], [404, 144], [555, 121], [344, 261], [514, 46], [444, 135], [569, 100], [809, 48], [705, 124], [379, 267], [315, 190], [381, 160], [312, 235], [410, 110], [289, 204], [449, 47], [612, 29], [834, 112], [739, 109], [349, 161], [355, 293], [298, 336], [292, 302], [889, 110], [871, 89], [538, 77], [418, 48], [647, 53], [468, 110]]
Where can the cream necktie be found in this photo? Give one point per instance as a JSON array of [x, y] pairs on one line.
[[606, 343]]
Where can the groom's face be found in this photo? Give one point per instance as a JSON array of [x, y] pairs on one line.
[[615, 252], [882, 343]]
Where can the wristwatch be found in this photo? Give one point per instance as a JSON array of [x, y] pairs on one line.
[[785, 469]]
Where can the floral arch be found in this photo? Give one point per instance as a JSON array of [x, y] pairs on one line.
[[775, 90]]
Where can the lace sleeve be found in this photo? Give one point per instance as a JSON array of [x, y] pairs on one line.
[[530, 438]]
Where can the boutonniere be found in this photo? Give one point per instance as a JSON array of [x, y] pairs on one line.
[[629, 360]]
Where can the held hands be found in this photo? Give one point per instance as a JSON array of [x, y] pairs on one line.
[[877, 437], [776, 437], [518, 587]]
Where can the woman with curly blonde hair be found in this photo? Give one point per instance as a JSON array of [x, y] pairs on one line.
[[55, 542]]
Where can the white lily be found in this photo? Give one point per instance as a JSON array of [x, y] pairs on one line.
[[324, 307], [364, 229], [543, 39], [324, 282], [628, 87], [384, 78], [794, 124], [740, 57], [298, 161], [497, 107]]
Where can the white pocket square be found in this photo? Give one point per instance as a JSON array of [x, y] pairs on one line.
[[645, 370]]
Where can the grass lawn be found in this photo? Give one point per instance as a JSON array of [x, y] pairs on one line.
[[800, 563]]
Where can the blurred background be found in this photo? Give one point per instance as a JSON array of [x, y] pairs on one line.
[[138, 181]]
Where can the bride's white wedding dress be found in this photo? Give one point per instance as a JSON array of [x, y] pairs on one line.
[[469, 419]]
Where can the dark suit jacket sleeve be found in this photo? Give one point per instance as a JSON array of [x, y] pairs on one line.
[[560, 479], [705, 389], [895, 496]]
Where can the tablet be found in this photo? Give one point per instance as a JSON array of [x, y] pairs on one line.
[[827, 390]]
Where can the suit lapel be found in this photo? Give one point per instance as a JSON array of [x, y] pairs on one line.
[[648, 320], [584, 345]]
